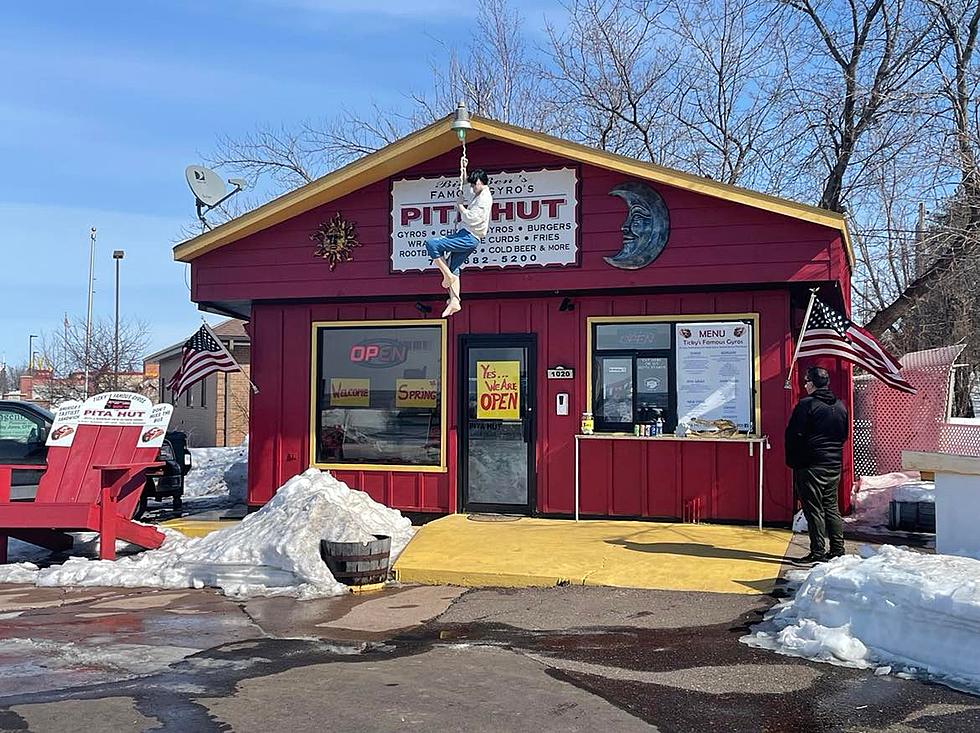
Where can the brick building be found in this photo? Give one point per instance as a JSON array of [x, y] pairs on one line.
[[213, 412]]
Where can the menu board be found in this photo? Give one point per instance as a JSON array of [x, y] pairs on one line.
[[715, 372]]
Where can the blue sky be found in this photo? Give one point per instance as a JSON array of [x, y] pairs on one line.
[[103, 104]]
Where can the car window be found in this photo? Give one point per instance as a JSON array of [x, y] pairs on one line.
[[22, 435]]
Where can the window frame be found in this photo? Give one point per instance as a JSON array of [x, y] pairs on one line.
[[443, 393], [670, 417], [44, 428], [673, 319]]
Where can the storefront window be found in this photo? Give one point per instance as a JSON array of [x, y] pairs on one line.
[[379, 395], [680, 371]]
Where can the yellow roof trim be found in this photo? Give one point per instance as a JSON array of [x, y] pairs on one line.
[[418, 147], [439, 138]]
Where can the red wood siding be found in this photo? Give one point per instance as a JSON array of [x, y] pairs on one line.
[[662, 480], [712, 242]]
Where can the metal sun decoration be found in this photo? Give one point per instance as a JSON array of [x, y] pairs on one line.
[[335, 240]]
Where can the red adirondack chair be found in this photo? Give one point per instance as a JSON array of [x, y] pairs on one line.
[[93, 484]]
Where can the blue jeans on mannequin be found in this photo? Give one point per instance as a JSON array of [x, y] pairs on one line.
[[454, 249]]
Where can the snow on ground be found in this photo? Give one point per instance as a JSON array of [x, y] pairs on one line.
[[892, 610], [873, 494], [871, 497], [24, 656], [275, 551], [217, 472]]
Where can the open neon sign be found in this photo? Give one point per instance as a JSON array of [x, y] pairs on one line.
[[379, 353]]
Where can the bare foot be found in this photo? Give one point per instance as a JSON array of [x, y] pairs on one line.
[[452, 307], [450, 281]]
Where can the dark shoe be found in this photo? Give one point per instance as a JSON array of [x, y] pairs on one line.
[[808, 559], [832, 555]]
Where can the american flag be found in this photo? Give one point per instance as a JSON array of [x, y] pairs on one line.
[[201, 356], [829, 333]]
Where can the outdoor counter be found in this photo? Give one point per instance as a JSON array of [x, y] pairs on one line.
[[751, 441], [957, 499]]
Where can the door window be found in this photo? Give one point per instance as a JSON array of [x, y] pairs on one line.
[[498, 427]]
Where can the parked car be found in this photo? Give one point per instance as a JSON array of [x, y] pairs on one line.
[[24, 429]]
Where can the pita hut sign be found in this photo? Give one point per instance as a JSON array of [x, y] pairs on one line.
[[534, 221]]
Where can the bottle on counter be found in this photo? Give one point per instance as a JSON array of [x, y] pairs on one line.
[[659, 426]]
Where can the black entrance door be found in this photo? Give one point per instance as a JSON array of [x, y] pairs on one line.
[[496, 462]]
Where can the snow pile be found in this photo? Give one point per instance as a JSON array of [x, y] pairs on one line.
[[872, 495], [18, 572], [218, 472], [275, 551], [916, 491], [895, 609]]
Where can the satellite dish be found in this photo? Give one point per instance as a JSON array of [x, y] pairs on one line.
[[209, 190], [206, 184]]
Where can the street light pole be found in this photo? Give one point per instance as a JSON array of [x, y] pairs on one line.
[[117, 255], [30, 353], [88, 319]]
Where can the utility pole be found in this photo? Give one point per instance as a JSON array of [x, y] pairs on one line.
[[30, 353], [117, 255], [920, 237], [88, 319]]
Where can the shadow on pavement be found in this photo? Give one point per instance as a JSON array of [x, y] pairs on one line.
[[696, 549]]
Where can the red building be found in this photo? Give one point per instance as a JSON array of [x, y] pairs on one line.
[[675, 297]]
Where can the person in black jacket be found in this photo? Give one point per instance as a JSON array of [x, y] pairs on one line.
[[814, 450]]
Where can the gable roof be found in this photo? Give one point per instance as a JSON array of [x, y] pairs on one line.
[[231, 330], [439, 138]]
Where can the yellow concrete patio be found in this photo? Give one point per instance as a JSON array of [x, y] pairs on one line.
[[198, 527], [455, 550]]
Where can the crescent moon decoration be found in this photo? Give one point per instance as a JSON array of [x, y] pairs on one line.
[[645, 229]]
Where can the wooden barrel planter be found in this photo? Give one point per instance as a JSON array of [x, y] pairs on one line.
[[358, 563]]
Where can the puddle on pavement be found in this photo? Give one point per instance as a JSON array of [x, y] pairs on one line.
[[833, 699]]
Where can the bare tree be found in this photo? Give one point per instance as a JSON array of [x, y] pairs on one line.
[[10, 378], [853, 69], [492, 73], [610, 76], [64, 350], [729, 93], [957, 243]]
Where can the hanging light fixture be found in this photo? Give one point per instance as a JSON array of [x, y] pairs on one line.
[[461, 121]]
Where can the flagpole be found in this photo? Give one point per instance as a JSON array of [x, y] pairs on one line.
[[255, 390], [799, 341]]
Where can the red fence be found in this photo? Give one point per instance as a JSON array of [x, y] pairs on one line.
[[887, 421]]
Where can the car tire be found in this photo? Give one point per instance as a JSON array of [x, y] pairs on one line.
[[144, 499], [141, 508]]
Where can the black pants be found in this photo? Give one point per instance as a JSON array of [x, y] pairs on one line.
[[816, 488]]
